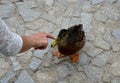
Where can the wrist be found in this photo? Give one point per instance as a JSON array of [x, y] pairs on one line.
[[30, 41]]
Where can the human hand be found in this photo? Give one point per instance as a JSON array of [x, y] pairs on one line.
[[40, 40]]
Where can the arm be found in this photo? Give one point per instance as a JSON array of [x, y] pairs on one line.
[[11, 43], [38, 41]]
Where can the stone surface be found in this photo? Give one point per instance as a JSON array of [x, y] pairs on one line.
[[99, 42], [50, 17], [93, 72], [116, 34], [85, 6], [115, 68], [110, 1], [112, 10], [24, 78], [17, 24], [83, 59], [16, 65], [93, 53], [7, 1], [46, 77], [47, 60], [64, 71], [26, 4], [29, 14], [75, 21], [108, 37], [62, 81], [7, 10], [116, 47], [78, 77], [3, 68], [65, 23], [100, 60], [48, 28], [24, 57], [97, 1], [100, 17], [49, 2], [90, 36], [68, 12], [80, 68], [34, 65], [7, 77], [86, 19], [35, 25], [38, 53], [116, 80]]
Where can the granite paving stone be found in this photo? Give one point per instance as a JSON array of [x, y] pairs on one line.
[[99, 59], [24, 78]]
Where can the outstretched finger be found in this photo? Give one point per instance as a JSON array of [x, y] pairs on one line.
[[50, 36]]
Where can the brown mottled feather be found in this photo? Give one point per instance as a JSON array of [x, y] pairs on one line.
[[73, 41]]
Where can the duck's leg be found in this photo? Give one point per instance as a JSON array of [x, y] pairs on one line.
[[75, 58], [58, 54]]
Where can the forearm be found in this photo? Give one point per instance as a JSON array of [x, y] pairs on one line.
[[27, 43]]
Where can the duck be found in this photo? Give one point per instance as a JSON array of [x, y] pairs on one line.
[[69, 42]]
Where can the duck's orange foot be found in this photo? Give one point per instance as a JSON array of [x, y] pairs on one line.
[[58, 54], [75, 58]]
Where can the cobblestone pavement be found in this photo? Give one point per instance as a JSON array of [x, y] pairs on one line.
[[99, 59]]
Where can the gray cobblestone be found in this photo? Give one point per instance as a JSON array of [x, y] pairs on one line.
[[7, 10], [24, 78], [99, 60]]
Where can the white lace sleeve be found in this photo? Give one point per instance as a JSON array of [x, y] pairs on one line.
[[10, 43]]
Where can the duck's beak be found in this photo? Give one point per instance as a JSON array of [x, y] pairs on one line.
[[55, 42]]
